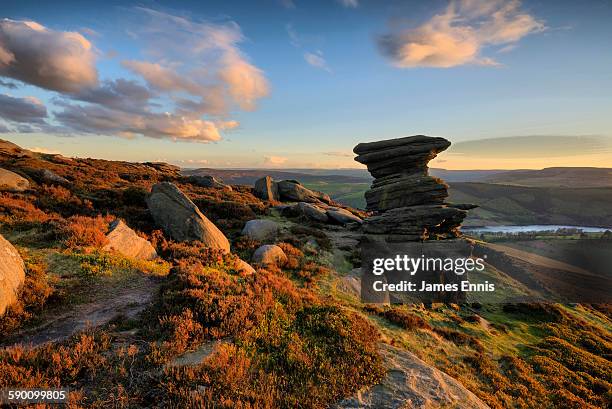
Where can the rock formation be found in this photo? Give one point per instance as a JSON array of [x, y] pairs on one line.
[[408, 204], [288, 191], [260, 229], [266, 189], [270, 255], [12, 274], [208, 181], [122, 239], [12, 182], [179, 217]]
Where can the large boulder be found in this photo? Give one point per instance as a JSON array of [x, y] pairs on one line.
[[342, 216], [260, 229], [12, 274], [412, 383], [208, 181], [312, 212], [12, 182], [270, 255], [292, 190], [244, 267], [266, 188], [124, 240], [181, 219]]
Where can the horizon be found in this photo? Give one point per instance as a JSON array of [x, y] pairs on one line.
[[292, 84]]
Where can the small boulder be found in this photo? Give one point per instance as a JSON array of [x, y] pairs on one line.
[[208, 181], [180, 218], [266, 188], [12, 274], [244, 267], [342, 216], [292, 190], [51, 177], [12, 182], [270, 255], [260, 229], [124, 240], [312, 212]]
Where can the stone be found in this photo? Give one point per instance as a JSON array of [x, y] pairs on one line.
[[10, 181], [12, 274], [260, 229], [244, 267], [311, 212], [270, 255], [208, 181], [342, 216], [122, 239], [406, 203], [51, 177], [181, 219], [412, 383], [164, 167], [266, 189], [292, 190]]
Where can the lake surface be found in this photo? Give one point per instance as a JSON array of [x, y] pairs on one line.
[[533, 227]]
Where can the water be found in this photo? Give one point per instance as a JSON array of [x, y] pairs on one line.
[[530, 228]]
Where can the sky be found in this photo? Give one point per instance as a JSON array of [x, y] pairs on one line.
[[297, 84]]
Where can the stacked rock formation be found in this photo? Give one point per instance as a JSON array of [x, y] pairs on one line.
[[408, 204]]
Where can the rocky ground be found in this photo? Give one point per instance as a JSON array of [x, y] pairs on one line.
[[136, 286]]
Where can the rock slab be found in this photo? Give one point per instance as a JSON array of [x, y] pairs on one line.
[[260, 229], [181, 219], [270, 255], [266, 189], [412, 383], [122, 239], [12, 182], [209, 181], [12, 274]]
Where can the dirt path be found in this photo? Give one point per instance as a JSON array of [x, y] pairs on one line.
[[128, 302]]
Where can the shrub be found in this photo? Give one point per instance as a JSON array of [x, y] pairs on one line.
[[83, 231]]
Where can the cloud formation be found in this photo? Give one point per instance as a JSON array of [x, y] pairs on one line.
[[458, 35], [28, 110], [61, 61], [191, 76], [316, 60], [275, 161], [349, 3]]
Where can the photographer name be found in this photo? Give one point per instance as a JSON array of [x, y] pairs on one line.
[[425, 287]]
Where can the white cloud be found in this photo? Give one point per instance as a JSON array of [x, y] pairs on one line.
[[349, 3], [316, 60], [458, 35], [56, 60], [274, 161]]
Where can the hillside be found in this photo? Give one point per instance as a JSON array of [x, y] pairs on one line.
[[195, 327], [554, 177]]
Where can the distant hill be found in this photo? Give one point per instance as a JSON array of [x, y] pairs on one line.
[[553, 177]]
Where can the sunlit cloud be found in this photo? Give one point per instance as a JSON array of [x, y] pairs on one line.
[[274, 161], [458, 35], [39, 149]]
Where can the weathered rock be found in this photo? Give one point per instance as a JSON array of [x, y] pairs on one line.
[[270, 255], [292, 190], [312, 212], [51, 177], [412, 383], [208, 181], [12, 182], [266, 188], [260, 229], [12, 274], [405, 191], [164, 167], [122, 239], [180, 218], [12, 150], [342, 216], [244, 267]]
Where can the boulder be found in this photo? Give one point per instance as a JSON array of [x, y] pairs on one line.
[[12, 150], [181, 219], [244, 267], [164, 167], [312, 212], [12, 274], [412, 383], [266, 189], [260, 229], [12, 182], [209, 181], [270, 255], [342, 216], [124, 240], [292, 190], [51, 177]]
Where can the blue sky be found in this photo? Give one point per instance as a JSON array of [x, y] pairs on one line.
[[304, 81]]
